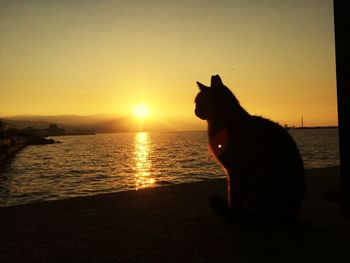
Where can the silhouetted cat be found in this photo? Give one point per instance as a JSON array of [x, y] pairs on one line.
[[265, 170]]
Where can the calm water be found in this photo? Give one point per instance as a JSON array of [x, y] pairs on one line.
[[104, 163]]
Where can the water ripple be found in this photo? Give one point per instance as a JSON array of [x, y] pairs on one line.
[[104, 163]]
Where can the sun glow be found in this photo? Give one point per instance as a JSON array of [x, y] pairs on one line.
[[141, 111]]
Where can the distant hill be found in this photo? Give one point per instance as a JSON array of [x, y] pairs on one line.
[[102, 123]]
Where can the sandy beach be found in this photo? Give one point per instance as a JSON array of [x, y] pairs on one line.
[[172, 224]]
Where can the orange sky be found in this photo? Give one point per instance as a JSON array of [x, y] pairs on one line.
[[89, 57]]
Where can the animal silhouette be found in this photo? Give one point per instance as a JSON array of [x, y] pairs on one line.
[[265, 172]]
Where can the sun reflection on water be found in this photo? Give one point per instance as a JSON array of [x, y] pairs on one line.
[[142, 161]]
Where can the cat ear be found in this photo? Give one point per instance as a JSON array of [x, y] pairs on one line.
[[216, 81], [201, 86]]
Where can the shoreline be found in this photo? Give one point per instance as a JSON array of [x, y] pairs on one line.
[[12, 145], [172, 224], [156, 186], [9, 148]]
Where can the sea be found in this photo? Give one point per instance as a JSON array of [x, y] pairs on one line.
[[105, 163]]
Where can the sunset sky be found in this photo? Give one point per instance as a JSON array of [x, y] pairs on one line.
[[107, 57]]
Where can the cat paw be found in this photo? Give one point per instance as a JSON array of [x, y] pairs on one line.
[[218, 204], [236, 216]]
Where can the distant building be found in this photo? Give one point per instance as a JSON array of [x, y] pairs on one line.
[[52, 130], [53, 126]]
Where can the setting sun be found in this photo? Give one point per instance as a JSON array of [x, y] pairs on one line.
[[141, 111], [109, 57]]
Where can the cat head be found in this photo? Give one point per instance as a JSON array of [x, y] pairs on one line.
[[215, 101]]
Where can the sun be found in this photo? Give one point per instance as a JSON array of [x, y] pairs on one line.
[[141, 111]]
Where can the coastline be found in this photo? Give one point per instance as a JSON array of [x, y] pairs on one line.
[[12, 145], [9, 147], [171, 224]]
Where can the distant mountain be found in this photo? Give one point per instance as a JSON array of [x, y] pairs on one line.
[[22, 124], [102, 123], [62, 119]]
